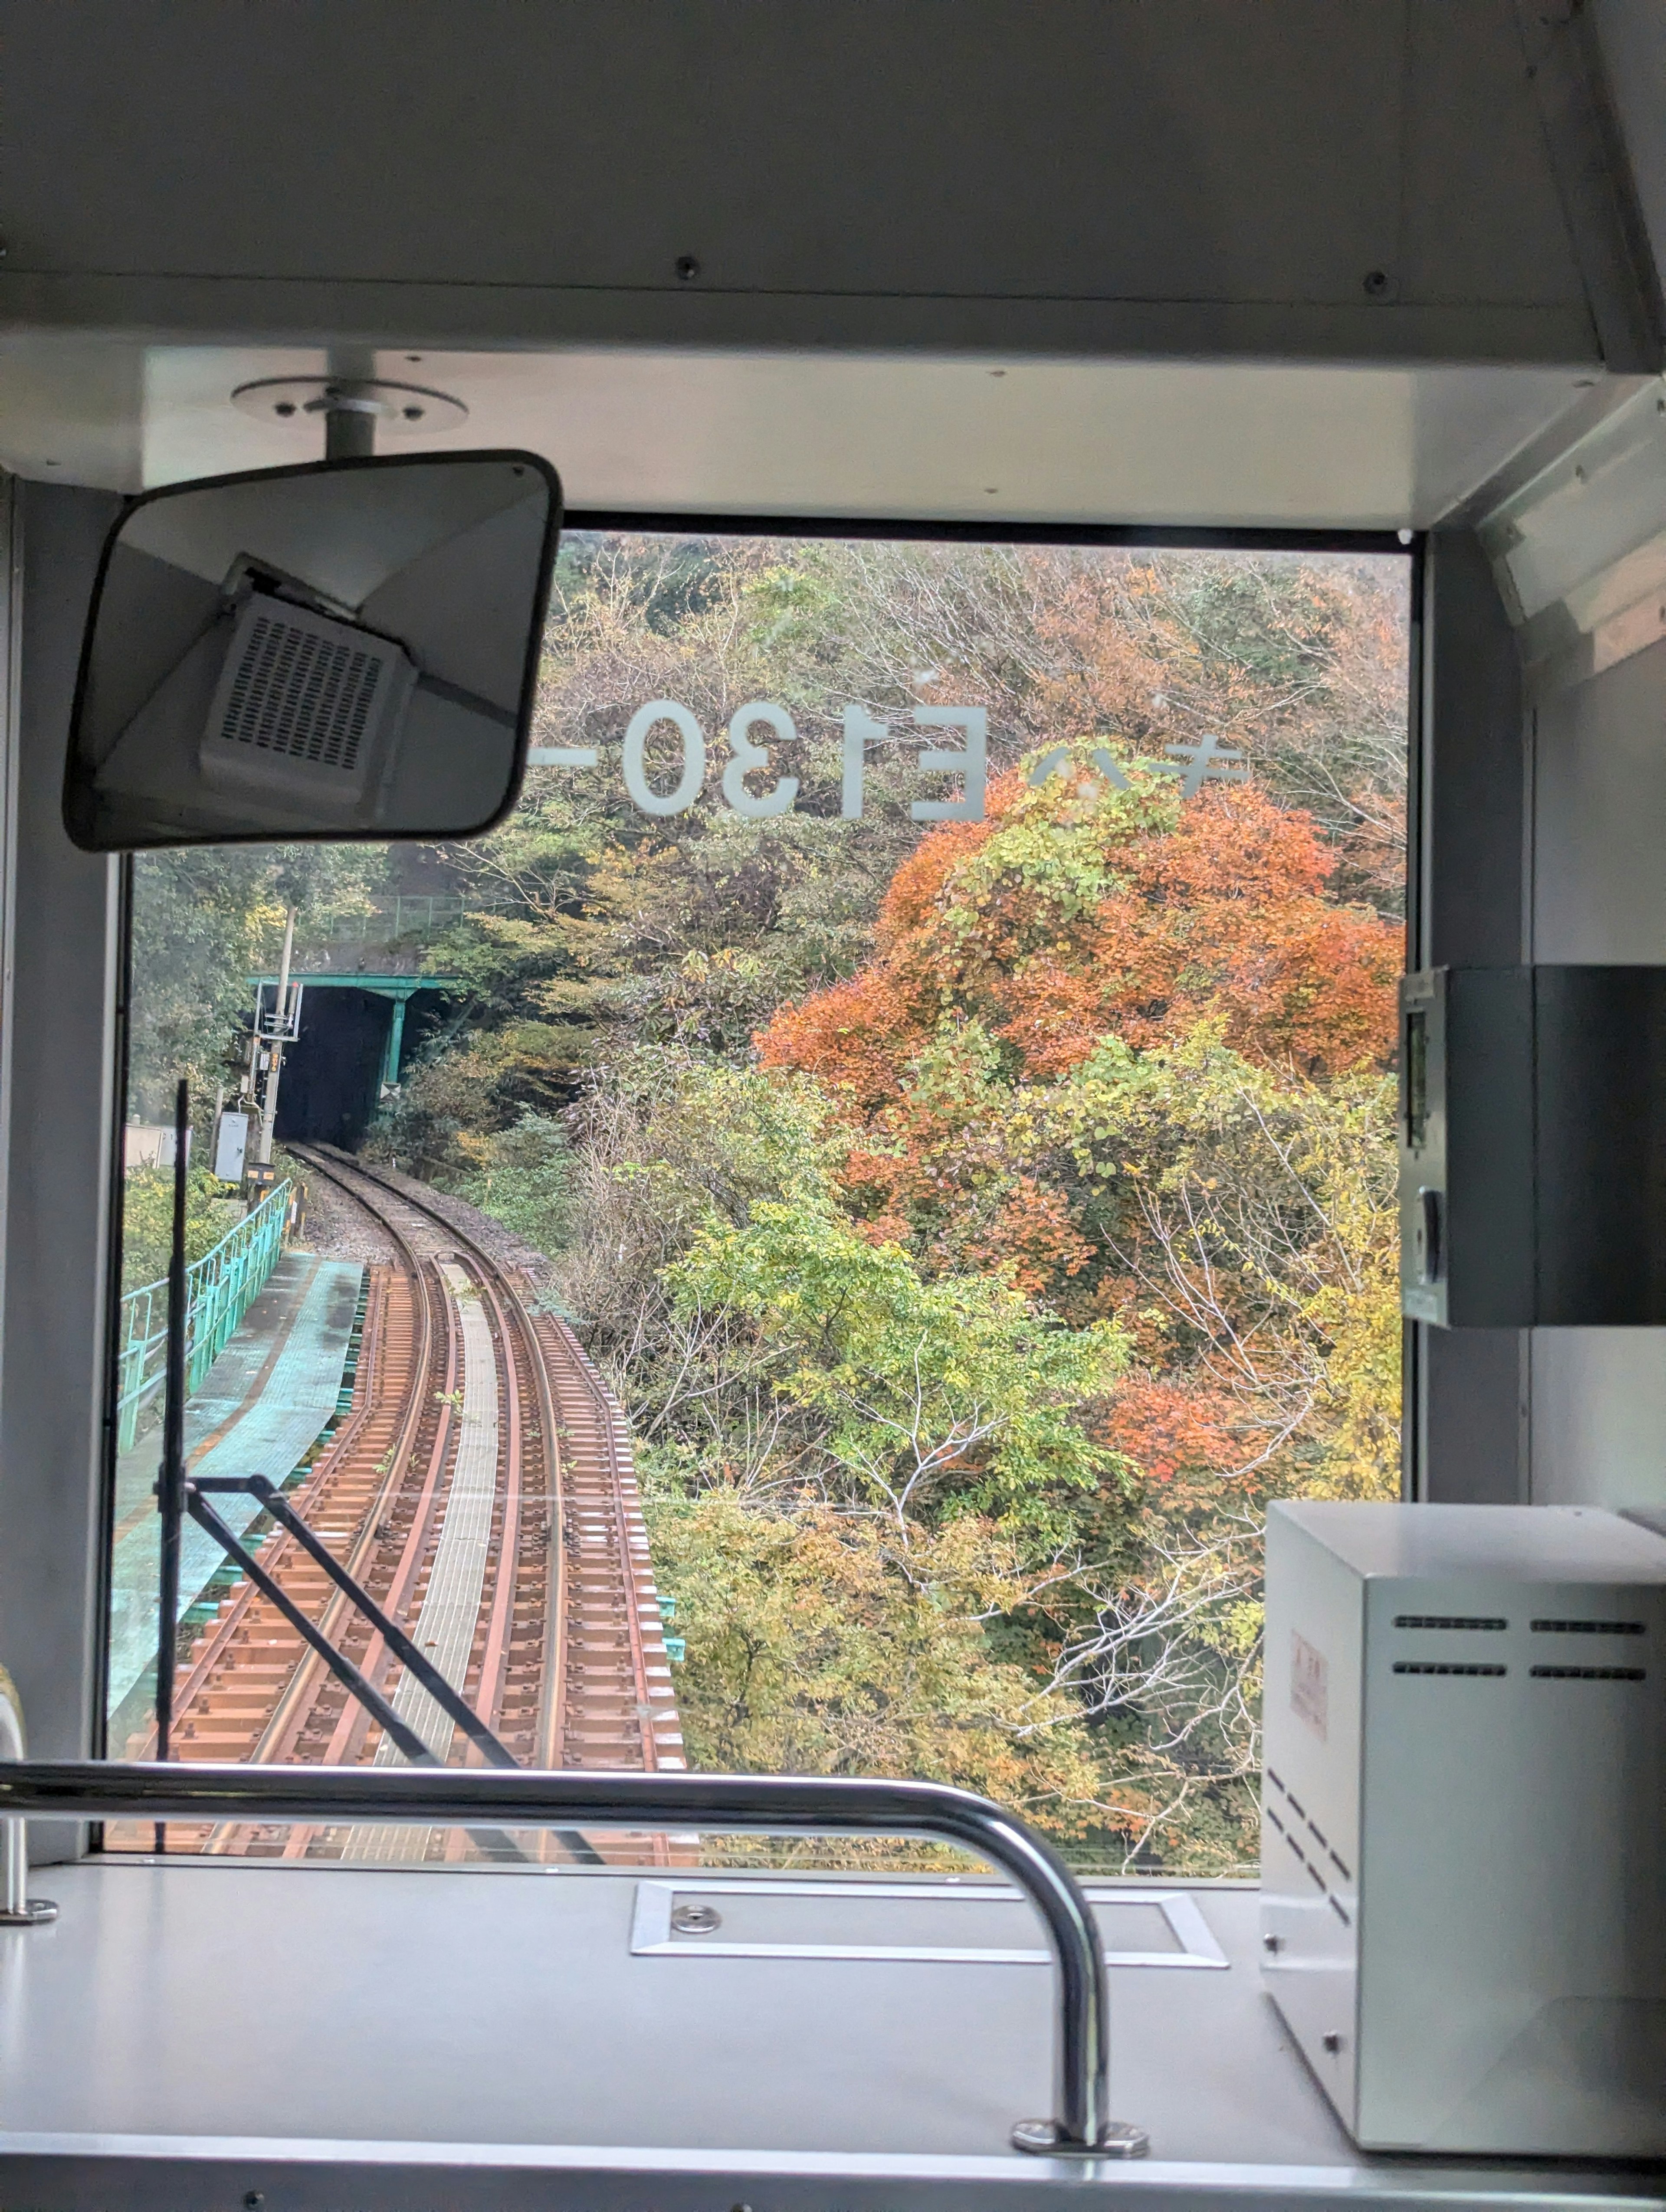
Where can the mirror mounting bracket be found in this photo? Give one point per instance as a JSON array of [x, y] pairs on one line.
[[353, 409]]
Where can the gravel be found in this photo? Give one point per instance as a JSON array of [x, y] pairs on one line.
[[334, 1227], [499, 1243]]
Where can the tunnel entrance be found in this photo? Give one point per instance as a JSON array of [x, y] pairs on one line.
[[333, 1071]]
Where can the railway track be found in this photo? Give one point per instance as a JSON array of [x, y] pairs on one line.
[[481, 1486]]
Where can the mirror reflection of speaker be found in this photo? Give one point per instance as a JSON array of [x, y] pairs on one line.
[[331, 651], [306, 707]]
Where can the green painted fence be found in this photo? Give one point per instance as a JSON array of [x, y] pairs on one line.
[[220, 1288]]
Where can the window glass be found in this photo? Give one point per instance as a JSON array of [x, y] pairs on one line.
[[810, 1247]]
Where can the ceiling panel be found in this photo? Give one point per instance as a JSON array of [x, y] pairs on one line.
[[1111, 441]]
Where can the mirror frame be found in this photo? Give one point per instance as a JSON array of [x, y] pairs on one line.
[[77, 778]]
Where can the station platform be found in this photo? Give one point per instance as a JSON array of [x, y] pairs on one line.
[[264, 1404], [203, 2034]]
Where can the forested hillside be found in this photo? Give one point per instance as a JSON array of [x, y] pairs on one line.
[[980, 1222], [979, 1218]]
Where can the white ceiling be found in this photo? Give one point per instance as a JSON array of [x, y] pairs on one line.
[[910, 436]]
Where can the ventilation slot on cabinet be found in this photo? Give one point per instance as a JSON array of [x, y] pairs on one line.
[[1589, 1673], [1446, 1667], [1449, 1620], [1590, 1627], [1312, 1866]]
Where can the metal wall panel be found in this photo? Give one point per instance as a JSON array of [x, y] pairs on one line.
[[1599, 1395], [1465, 62], [957, 145], [1632, 36], [60, 1095], [1467, 1389], [1292, 177]]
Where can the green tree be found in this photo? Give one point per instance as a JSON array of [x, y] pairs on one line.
[[213, 1210], [923, 1390], [204, 920]]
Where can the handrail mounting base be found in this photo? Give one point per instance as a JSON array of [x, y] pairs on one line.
[[31, 1913], [1044, 2139]]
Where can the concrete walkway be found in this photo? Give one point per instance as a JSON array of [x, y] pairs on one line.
[[264, 1404]]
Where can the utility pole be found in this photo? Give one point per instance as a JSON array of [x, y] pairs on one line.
[[280, 1026]]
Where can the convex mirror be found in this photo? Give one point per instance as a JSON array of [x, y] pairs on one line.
[[347, 649]]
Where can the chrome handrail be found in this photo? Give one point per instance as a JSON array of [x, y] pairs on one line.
[[17, 1908], [774, 1804]]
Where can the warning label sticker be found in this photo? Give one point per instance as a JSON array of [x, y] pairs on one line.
[[1310, 1685]]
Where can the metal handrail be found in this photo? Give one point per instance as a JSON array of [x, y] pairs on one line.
[[776, 1804], [17, 1908], [221, 1287], [410, 914]]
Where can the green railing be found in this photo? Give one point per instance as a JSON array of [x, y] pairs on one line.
[[422, 913], [220, 1288]]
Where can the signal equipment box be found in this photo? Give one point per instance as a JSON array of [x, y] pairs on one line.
[[1464, 1845]]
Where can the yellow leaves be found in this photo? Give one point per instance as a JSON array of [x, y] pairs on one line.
[[822, 1642], [1357, 1412], [1242, 1625]]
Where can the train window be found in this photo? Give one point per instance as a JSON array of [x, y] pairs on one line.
[[811, 1246]]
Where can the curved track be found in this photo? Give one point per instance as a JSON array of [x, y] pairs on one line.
[[481, 1486]]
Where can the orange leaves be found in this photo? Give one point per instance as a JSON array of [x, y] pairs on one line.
[[1034, 1240], [918, 888], [856, 1038], [1178, 1430], [1221, 919], [1060, 1066]]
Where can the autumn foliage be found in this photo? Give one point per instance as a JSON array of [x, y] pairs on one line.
[[1169, 916], [1206, 1190], [979, 1224]]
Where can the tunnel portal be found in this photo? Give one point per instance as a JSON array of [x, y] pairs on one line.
[[356, 1034]]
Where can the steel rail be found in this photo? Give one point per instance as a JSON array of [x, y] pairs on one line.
[[348, 1740], [502, 1298], [502, 1605], [555, 1567], [500, 1612], [456, 1708], [776, 1804], [288, 1717], [350, 1176], [558, 1684], [339, 1665], [218, 1640], [591, 1384]]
